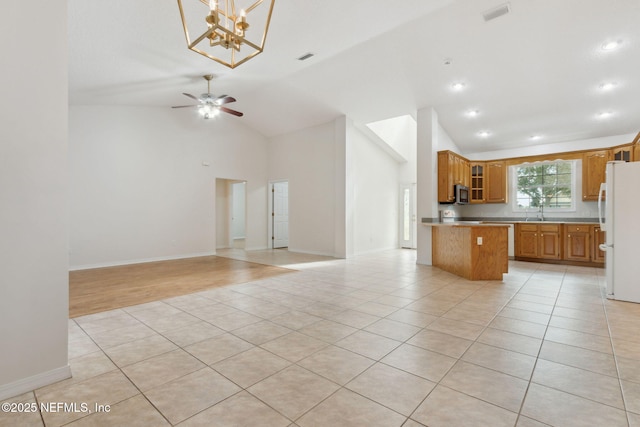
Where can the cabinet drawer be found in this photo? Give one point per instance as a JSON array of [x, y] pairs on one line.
[[550, 228], [578, 228], [528, 227]]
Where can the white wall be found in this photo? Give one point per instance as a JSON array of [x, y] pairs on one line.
[[376, 194], [238, 210], [222, 214], [307, 160], [140, 187], [33, 197]]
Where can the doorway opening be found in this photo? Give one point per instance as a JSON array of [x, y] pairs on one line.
[[231, 213], [279, 214], [407, 216]]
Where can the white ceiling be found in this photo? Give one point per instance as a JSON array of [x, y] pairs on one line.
[[535, 71]]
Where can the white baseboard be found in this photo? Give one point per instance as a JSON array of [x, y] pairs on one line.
[[138, 261], [24, 385], [302, 251]]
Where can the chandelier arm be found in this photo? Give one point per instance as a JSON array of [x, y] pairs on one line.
[[253, 6], [202, 37]]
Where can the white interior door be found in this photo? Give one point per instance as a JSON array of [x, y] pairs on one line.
[[280, 214], [408, 216]]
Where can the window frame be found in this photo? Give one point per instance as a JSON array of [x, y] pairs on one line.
[[514, 186]]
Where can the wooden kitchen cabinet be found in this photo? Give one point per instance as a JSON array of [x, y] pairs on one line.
[[623, 153], [452, 169], [526, 239], [594, 165], [598, 238], [496, 182], [636, 153], [550, 247], [477, 187], [538, 241], [577, 242]]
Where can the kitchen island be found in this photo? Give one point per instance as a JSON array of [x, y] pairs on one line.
[[474, 251]]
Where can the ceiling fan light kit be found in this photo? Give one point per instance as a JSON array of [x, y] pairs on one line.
[[210, 105], [229, 32]]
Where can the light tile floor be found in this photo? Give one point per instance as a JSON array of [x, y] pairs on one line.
[[371, 341]]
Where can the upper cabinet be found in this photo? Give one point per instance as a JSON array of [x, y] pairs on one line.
[[594, 165], [452, 169], [623, 153], [477, 186], [487, 180], [496, 182]]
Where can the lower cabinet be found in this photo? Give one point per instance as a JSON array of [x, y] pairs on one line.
[[561, 242], [540, 241], [577, 239], [598, 237]]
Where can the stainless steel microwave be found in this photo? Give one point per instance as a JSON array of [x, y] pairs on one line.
[[462, 194]]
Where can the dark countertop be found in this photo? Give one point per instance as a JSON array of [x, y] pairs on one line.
[[514, 220]]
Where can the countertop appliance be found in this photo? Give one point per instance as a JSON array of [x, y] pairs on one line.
[[622, 226]]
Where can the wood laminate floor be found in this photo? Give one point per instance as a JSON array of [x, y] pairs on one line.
[[101, 289]]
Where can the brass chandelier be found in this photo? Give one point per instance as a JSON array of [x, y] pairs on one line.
[[223, 28]]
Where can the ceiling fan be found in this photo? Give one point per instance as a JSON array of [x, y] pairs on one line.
[[209, 104]]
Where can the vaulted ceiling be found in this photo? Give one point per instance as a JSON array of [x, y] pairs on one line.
[[536, 71]]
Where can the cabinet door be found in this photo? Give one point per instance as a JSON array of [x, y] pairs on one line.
[[549, 240], [623, 153], [577, 243], [527, 241], [594, 165], [496, 182], [446, 164], [636, 153], [599, 237], [464, 172], [549, 245], [477, 182]]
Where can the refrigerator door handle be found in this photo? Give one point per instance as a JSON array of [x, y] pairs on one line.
[[604, 247], [603, 188]]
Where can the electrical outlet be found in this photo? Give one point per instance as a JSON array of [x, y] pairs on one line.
[[479, 241]]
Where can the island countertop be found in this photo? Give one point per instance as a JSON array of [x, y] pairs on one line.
[[465, 224]]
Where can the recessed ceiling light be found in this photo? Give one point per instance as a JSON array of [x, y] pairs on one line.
[[608, 85], [458, 86], [605, 114], [611, 45], [473, 113], [535, 137], [484, 134]]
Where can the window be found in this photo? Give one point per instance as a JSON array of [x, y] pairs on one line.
[[547, 184]]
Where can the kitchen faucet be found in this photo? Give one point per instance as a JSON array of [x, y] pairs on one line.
[[541, 212]]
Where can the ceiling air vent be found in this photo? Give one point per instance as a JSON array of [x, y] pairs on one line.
[[496, 12], [305, 56]]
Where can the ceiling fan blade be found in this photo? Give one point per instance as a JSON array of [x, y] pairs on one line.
[[191, 96], [184, 106], [230, 111], [224, 100], [220, 97]]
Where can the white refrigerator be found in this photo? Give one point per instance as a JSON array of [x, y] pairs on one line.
[[621, 208]]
